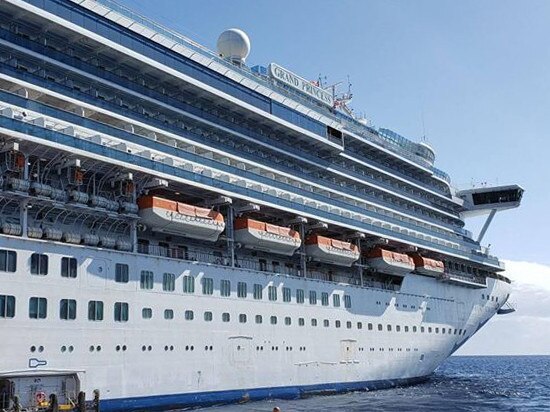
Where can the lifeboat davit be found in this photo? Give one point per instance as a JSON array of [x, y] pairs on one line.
[[328, 250], [428, 267], [163, 215], [389, 262], [254, 234]]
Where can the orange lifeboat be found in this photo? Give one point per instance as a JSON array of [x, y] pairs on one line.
[[169, 216], [254, 234], [429, 267], [389, 262], [328, 250]]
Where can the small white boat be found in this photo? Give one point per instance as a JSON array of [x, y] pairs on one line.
[[169, 216], [328, 250], [386, 261], [254, 234]]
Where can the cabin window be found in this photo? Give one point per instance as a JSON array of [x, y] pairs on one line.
[[324, 298], [272, 293], [38, 308], [369, 327], [336, 300], [146, 313], [406, 329], [121, 312], [443, 330], [168, 282], [208, 316], [288, 321], [189, 315], [313, 322], [259, 319], [347, 301], [422, 329], [68, 267], [95, 310], [241, 289], [147, 280], [429, 329], [7, 306], [168, 314], [397, 328], [359, 325], [188, 284], [242, 318], [121, 273], [300, 296], [286, 294], [39, 264], [326, 323], [337, 324], [301, 321], [273, 320], [436, 330], [380, 327], [263, 265], [226, 317], [8, 261], [414, 329], [312, 297], [207, 286], [348, 324], [258, 291], [225, 287], [67, 309]]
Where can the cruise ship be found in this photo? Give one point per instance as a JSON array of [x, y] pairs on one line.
[[180, 229]]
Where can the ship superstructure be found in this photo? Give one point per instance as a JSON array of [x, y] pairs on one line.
[[179, 229]]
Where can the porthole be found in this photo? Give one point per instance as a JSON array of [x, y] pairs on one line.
[[144, 348], [92, 348], [187, 348], [171, 347], [71, 348], [63, 349], [41, 348], [192, 347], [149, 348], [118, 348], [124, 348], [33, 349], [98, 348], [211, 347], [166, 348]]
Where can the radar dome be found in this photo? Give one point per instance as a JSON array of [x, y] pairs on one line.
[[234, 44]]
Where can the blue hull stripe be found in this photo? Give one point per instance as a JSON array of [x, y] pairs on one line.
[[166, 402]]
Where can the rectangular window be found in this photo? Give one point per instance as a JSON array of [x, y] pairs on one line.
[[146, 313], [300, 296], [95, 310], [242, 318], [273, 320], [208, 316], [121, 312], [312, 297], [168, 314], [336, 300], [337, 324], [272, 293], [241, 289], [348, 324], [324, 298], [259, 319], [38, 308], [168, 282], [359, 325], [207, 286], [122, 273], [347, 301], [8, 261], [301, 321], [188, 284], [67, 309], [146, 280], [68, 267], [39, 264], [258, 289], [226, 317], [313, 322], [288, 321], [189, 315], [369, 326], [263, 265], [225, 287], [286, 294], [326, 323], [7, 306]]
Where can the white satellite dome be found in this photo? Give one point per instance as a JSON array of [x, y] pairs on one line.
[[234, 44]]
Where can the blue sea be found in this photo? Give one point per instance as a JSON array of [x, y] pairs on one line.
[[462, 383]]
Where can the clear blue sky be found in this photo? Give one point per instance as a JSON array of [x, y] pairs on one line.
[[478, 72]]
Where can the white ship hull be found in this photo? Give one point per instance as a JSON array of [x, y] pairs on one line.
[[221, 361]]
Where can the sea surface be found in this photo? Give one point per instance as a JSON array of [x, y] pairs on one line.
[[462, 383]]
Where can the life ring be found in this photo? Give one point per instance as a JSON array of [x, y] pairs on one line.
[[40, 398]]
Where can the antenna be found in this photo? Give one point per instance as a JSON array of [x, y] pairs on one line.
[[423, 125]]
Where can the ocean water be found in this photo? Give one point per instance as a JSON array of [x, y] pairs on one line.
[[462, 383]]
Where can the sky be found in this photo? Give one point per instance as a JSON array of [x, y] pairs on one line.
[[471, 76]]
